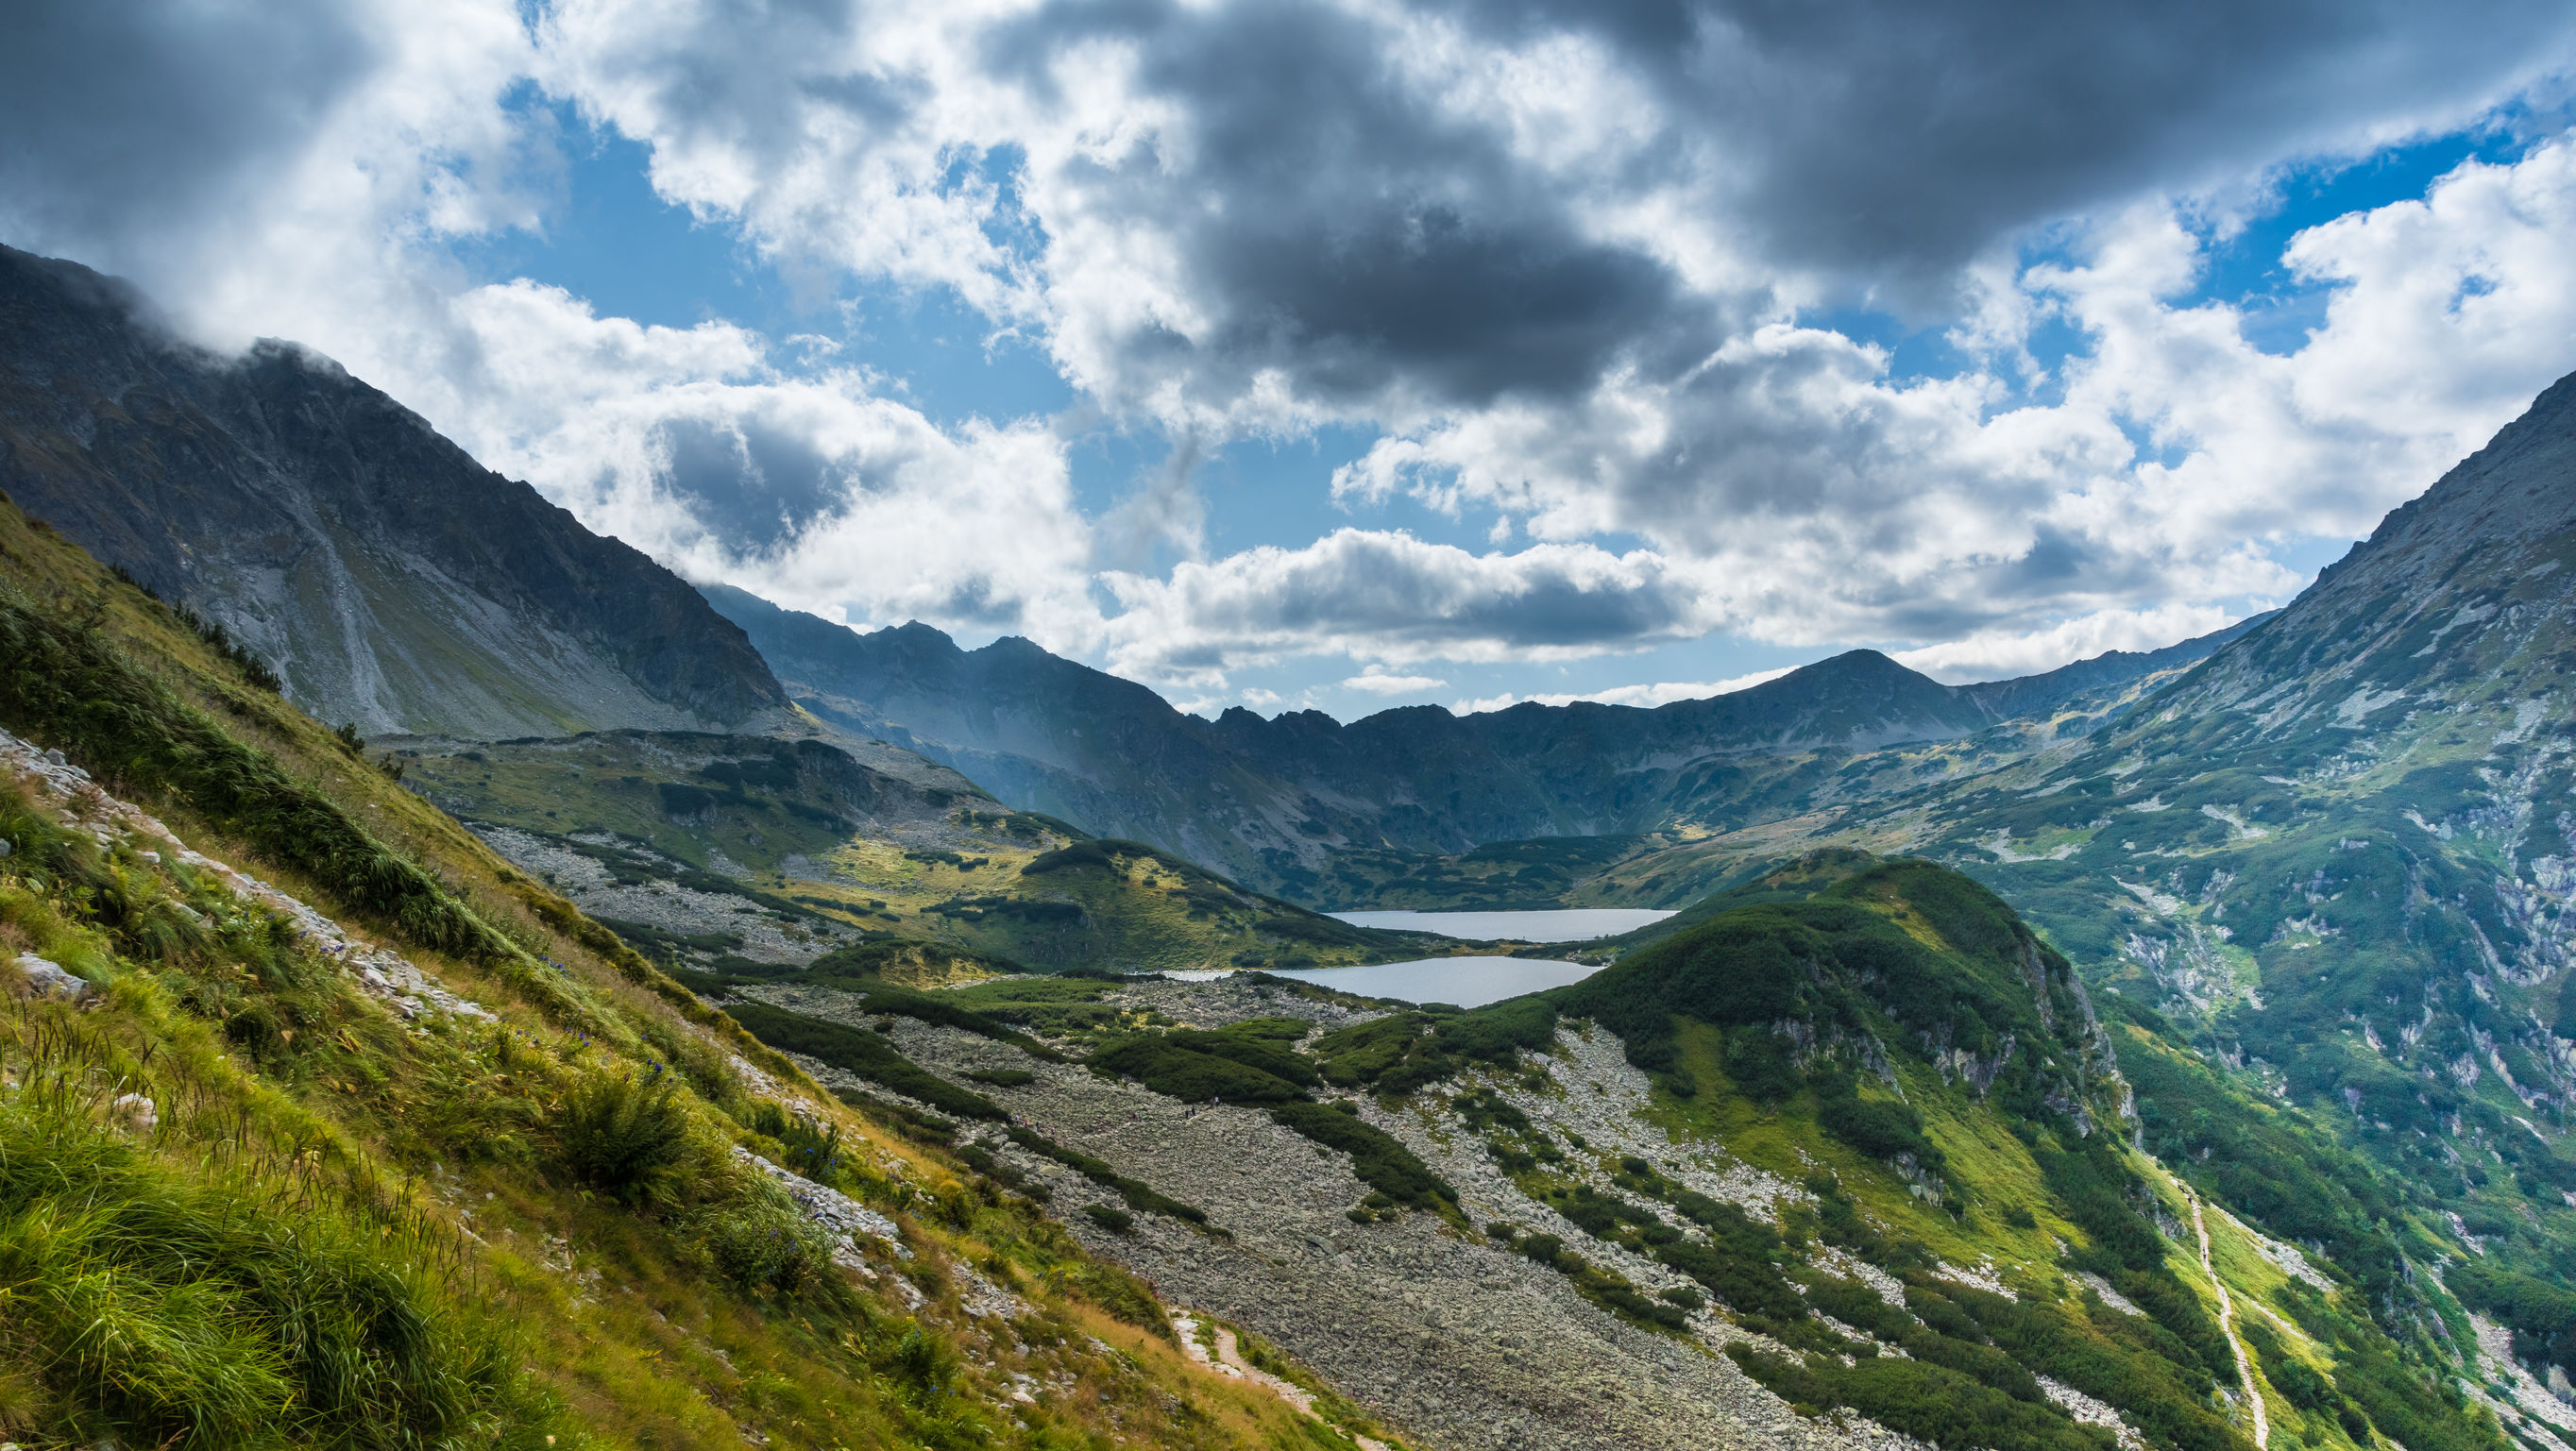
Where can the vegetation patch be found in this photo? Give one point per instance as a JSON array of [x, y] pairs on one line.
[[865, 1054], [66, 684], [1138, 1196], [1378, 1158], [159, 1307]]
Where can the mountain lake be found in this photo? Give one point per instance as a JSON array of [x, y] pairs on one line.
[[1564, 924], [1472, 982]]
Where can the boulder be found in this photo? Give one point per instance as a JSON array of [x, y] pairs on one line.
[[49, 979]]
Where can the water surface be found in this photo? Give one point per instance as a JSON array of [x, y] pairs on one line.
[[1562, 924], [1468, 982]]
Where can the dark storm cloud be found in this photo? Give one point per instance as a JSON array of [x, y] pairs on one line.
[[1897, 137], [1347, 230], [117, 120], [755, 484]]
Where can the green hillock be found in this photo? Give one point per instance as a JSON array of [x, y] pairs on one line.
[[937, 883]]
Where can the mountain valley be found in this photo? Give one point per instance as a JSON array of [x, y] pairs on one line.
[[689, 1022]]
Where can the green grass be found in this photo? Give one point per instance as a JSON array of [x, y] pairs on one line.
[[226, 1308], [349, 1230]]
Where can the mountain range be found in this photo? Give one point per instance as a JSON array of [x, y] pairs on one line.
[[2170, 1051], [1280, 801]]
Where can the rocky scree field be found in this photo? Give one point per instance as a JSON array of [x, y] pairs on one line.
[[1849, 1165]]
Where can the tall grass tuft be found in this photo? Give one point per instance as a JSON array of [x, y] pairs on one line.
[[627, 1135], [214, 1313]]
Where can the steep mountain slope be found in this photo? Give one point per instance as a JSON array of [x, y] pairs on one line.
[[385, 576], [324, 1127], [2335, 857], [1275, 801], [1843, 1160]]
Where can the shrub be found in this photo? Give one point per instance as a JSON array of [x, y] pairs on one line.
[[760, 1241], [1193, 1074], [1929, 1402], [1116, 1221], [1380, 1160], [863, 1053], [626, 1135], [1877, 1128]]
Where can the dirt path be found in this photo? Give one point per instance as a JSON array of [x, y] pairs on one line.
[[1229, 1361], [2227, 1323]]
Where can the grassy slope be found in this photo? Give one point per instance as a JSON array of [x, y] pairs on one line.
[[465, 1180], [958, 874]]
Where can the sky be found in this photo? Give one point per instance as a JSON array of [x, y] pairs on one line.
[[1298, 354]]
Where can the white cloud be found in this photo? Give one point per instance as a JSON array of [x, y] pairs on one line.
[[2005, 653], [1375, 683], [1392, 597], [808, 489], [1815, 501], [1663, 692]]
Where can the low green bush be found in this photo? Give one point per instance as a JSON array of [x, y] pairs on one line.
[[760, 1241], [1379, 1159], [857, 1051], [1193, 1074], [626, 1135], [1929, 1402]]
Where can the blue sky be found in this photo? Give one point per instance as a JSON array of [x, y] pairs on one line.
[[1289, 353]]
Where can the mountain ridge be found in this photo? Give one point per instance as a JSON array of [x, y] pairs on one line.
[[388, 578], [1268, 799]]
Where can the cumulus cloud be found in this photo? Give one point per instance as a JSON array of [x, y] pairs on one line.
[[1662, 692], [1390, 596], [1563, 260], [1818, 500], [1375, 682], [1268, 212], [810, 489]]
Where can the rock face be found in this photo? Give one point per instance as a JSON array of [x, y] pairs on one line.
[[1269, 800], [387, 577]]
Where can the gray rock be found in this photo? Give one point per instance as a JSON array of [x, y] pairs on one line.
[[49, 979]]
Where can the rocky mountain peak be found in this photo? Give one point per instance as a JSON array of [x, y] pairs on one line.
[[389, 579]]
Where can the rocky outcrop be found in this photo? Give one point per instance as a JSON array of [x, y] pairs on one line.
[[387, 577]]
